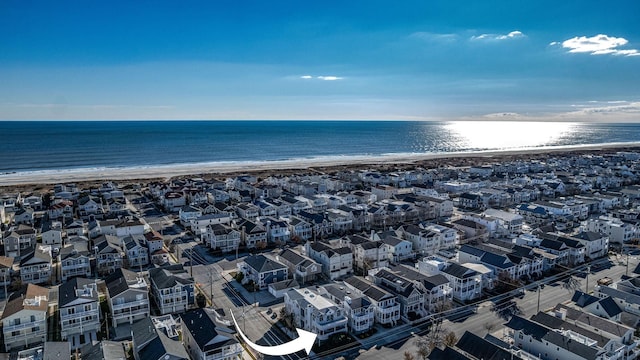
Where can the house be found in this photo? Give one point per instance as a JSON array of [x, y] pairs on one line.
[[397, 249], [128, 297], [277, 230], [221, 237], [278, 289], [604, 307], [173, 201], [248, 211], [75, 260], [188, 213], [386, 305], [551, 336], [336, 262], [104, 350], [368, 254], [358, 309], [199, 224], [153, 241], [79, 309], [74, 227], [510, 223], [262, 271], [436, 288], [428, 239], [627, 299], [300, 229], [90, 207], [136, 255], [301, 268], [23, 216], [35, 268], [172, 288], [19, 242], [596, 245], [109, 254], [410, 296], [471, 200], [618, 231], [465, 283], [315, 313], [6, 270], [253, 234], [205, 338], [62, 209], [151, 340], [24, 319]]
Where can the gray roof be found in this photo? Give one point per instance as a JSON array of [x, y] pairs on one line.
[[163, 348], [118, 281], [56, 350], [169, 276], [67, 291], [104, 350], [261, 263], [207, 334], [482, 349], [459, 271]]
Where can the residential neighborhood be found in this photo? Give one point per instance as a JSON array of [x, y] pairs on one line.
[[363, 257]]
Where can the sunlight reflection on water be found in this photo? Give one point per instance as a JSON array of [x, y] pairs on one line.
[[508, 135]]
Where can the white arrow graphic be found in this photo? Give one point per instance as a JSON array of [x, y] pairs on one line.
[[304, 341]]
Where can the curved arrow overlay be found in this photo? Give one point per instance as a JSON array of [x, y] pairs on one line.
[[304, 341]]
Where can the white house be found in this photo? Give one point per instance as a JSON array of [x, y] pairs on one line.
[[24, 320], [336, 263], [315, 313]]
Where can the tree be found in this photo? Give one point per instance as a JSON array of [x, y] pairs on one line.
[[450, 339], [287, 318], [571, 284], [424, 347], [409, 356]]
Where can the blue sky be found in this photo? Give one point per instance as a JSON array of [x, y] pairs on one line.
[[432, 60]]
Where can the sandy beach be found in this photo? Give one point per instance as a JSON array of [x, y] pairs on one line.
[[325, 165]]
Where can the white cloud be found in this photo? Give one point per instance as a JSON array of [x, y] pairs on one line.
[[598, 45], [329, 78], [306, 77], [429, 36], [512, 35]]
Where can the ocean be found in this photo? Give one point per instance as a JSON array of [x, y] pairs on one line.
[[62, 145]]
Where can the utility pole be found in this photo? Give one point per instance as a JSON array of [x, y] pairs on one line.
[[538, 307], [587, 277]]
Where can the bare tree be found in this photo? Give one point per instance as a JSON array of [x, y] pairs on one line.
[[409, 356], [450, 339], [571, 284], [424, 347]]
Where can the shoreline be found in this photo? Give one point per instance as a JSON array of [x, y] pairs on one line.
[[41, 177]]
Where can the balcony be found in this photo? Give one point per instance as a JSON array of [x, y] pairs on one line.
[[7, 329], [131, 304], [78, 315]]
